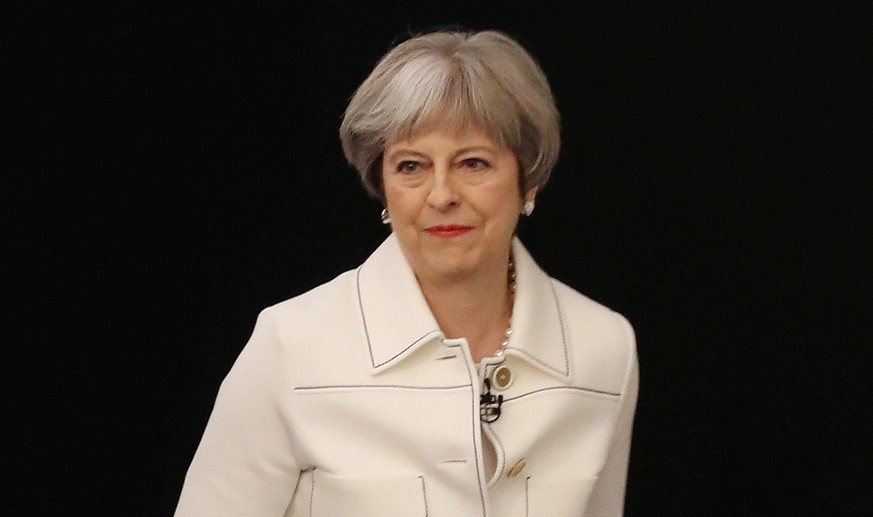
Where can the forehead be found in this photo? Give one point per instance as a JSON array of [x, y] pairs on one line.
[[469, 135]]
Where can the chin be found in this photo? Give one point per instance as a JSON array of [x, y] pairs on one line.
[[450, 264]]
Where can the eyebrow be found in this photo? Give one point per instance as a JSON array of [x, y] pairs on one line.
[[404, 150]]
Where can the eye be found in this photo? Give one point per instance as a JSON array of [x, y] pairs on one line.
[[408, 167], [475, 164]]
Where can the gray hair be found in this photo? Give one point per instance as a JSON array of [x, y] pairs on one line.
[[482, 79]]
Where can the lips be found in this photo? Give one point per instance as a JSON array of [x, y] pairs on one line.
[[448, 231]]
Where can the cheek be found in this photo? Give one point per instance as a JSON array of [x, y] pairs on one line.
[[502, 219], [401, 204], [504, 203]]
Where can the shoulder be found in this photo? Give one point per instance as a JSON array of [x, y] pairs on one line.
[[602, 340], [308, 333], [332, 302], [597, 317]]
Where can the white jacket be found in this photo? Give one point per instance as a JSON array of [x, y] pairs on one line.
[[349, 401]]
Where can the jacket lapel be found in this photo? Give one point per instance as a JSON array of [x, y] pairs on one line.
[[397, 319], [538, 332]]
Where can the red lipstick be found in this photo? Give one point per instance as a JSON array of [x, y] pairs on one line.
[[448, 231]]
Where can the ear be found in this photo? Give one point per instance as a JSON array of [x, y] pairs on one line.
[[530, 195]]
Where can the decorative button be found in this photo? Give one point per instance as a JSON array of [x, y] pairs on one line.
[[516, 469], [501, 378]]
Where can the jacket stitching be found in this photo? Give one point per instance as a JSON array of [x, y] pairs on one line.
[[527, 496], [378, 386], [398, 354], [311, 492], [563, 331], [424, 495], [364, 316], [538, 361], [571, 388], [502, 453]]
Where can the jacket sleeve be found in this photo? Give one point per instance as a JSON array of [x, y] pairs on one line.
[[245, 464], [607, 498]]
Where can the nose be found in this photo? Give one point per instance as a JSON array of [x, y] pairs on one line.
[[443, 194]]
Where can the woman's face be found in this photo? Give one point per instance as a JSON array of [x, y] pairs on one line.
[[454, 202]]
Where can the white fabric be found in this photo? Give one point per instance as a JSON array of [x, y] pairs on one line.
[[349, 401]]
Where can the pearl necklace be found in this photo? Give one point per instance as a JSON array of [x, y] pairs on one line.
[[512, 287]]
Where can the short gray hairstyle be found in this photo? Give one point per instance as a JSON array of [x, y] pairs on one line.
[[461, 78]]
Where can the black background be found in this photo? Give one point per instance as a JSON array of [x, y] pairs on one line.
[[172, 171]]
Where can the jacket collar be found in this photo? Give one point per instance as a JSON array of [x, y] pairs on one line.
[[397, 319]]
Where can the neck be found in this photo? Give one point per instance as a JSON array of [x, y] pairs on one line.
[[478, 308]]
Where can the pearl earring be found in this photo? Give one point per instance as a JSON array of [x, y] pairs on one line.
[[528, 207], [386, 219]]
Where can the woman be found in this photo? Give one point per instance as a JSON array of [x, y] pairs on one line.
[[448, 375]]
